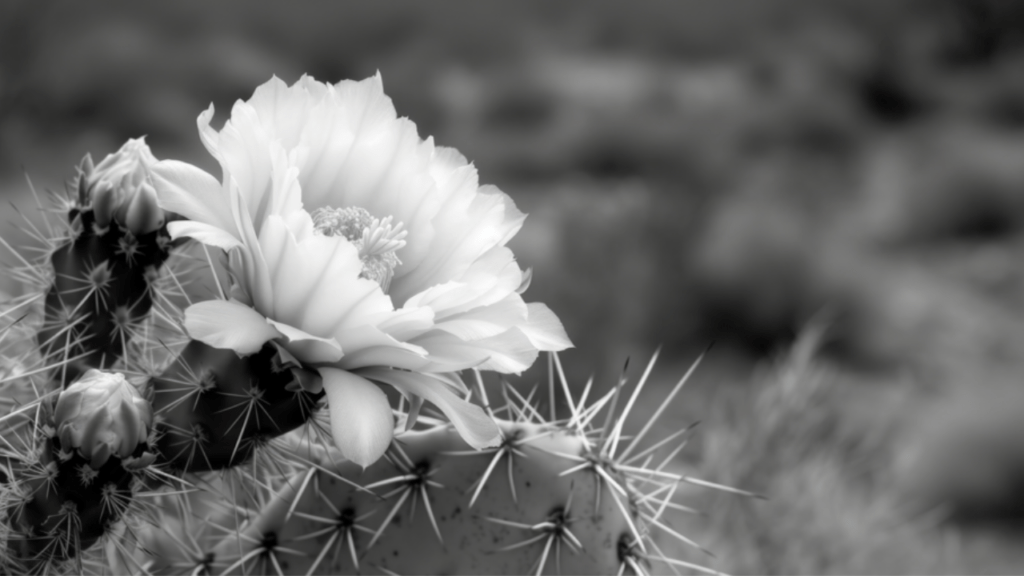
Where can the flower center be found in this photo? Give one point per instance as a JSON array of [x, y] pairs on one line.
[[377, 239]]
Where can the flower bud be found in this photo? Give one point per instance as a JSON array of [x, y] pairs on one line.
[[105, 199], [102, 415], [120, 189], [140, 212]]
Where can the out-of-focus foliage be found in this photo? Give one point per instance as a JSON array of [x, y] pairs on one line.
[[695, 171]]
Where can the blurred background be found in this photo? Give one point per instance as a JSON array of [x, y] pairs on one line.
[[831, 192]]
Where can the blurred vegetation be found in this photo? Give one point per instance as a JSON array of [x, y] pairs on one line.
[[695, 172]]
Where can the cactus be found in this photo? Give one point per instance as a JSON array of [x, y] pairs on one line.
[[80, 471], [127, 446], [104, 268]]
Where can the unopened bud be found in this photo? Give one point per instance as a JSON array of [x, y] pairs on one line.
[[85, 168], [140, 212], [102, 415], [105, 199], [120, 189]]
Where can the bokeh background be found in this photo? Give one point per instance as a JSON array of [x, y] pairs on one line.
[[831, 192]]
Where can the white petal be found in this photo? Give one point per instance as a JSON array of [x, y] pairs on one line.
[[184, 189], [468, 225], [510, 352], [368, 346], [486, 321], [405, 323], [249, 266], [544, 329], [470, 420], [306, 346], [205, 233], [207, 134], [316, 283], [285, 109], [228, 324], [361, 419], [491, 278]]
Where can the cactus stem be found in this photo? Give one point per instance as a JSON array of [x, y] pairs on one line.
[[64, 533], [290, 450], [112, 502], [252, 400], [623, 471], [415, 480], [342, 527], [192, 439], [266, 550], [509, 447], [554, 531], [259, 551], [128, 247]]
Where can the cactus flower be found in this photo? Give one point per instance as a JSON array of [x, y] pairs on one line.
[[120, 189], [366, 252], [102, 415]]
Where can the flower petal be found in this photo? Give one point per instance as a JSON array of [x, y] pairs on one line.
[[184, 189], [486, 321], [470, 420], [307, 347], [510, 352], [205, 233], [228, 324], [316, 283], [368, 346], [544, 329], [361, 419]]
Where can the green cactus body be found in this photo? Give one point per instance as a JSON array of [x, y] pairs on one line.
[[101, 288], [215, 407]]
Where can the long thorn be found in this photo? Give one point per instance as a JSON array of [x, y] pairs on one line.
[[661, 409]]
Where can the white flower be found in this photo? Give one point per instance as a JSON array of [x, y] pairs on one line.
[[367, 253]]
